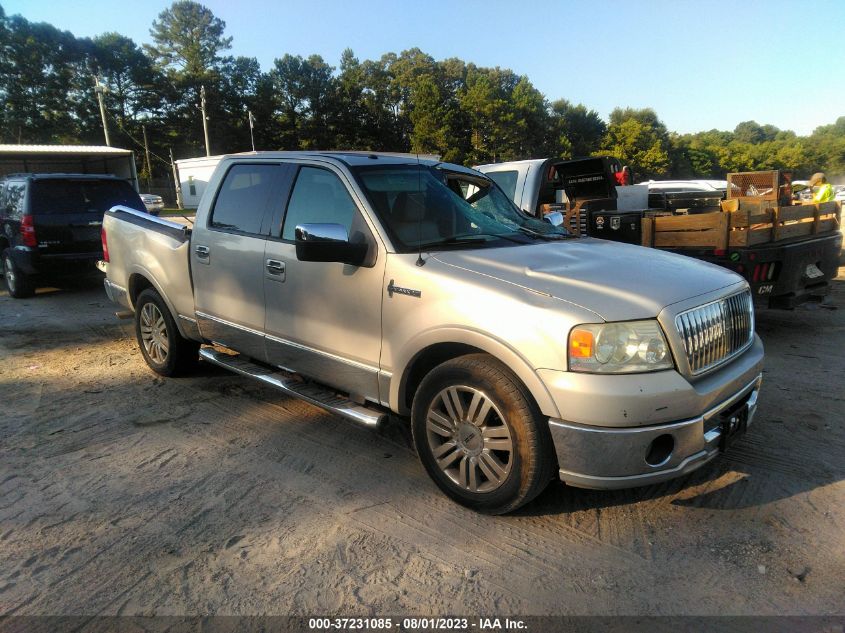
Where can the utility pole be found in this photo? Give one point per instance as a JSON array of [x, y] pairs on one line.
[[176, 181], [204, 121], [251, 125], [100, 89], [149, 168]]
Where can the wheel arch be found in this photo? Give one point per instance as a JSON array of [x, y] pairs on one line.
[[142, 280], [432, 352]]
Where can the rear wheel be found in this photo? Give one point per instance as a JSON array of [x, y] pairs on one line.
[[480, 436], [19, 284], [165, 350]]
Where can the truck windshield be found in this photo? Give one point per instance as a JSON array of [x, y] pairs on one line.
[[431, 208]]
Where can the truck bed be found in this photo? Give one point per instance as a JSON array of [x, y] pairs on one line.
[[157, 249]]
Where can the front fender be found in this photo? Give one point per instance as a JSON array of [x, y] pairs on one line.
[[500, 350]]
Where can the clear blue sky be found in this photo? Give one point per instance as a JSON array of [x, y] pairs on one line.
[[700, 65]]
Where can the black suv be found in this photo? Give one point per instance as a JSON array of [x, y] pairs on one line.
[[50, 224]]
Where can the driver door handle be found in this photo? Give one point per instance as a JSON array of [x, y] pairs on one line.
[[275, 266]]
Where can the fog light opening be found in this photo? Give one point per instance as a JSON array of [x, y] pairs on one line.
[[660, 450]]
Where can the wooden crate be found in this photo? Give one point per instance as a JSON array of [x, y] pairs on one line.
[[705, 230], [742, 223], [751, 226]]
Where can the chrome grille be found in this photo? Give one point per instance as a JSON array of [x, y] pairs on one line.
[[717, 331]]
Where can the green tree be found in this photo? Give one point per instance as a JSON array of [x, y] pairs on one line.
[[304, 90], [134, 86], [39, 64], [507, 117], [825, 149], [639, 139], [753, 132], [188, 39], [240, 86], [382, 126], [575, 130], [187, 44]]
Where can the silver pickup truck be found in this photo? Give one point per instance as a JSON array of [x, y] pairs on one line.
[[376, 283]]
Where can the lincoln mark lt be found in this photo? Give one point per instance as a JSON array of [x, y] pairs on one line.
[[375, 283]]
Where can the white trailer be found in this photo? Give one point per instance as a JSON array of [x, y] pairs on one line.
[[194, 174], [69, 159]]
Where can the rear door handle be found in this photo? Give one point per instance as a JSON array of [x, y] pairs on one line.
[[202, 251]]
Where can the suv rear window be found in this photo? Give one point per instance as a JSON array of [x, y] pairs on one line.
[[81, 196]]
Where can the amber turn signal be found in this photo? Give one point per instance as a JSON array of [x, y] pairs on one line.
[[581, 344]]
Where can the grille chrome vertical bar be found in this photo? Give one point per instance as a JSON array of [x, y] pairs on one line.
[[717, 331], [695, 341]]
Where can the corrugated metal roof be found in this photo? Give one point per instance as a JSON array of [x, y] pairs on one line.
[[62, 149]]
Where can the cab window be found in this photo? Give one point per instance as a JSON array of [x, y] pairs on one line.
[[506, 181], [318, 197], [243, 198]]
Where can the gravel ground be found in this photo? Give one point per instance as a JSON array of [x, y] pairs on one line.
[[125, 493]]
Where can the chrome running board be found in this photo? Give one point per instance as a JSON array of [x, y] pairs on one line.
[[292, 385]]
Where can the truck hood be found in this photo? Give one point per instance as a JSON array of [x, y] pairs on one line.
[[616, 281]]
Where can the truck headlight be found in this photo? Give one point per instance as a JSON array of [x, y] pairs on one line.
[[619, 348]]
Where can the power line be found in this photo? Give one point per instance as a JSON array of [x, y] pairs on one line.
[[140, 144]]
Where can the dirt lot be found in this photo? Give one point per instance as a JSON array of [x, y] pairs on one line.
[[124, 493]]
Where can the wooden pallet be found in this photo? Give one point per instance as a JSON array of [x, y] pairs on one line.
[[742, 223]]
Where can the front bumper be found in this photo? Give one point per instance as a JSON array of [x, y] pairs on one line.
[[609, 458], [611, 427]]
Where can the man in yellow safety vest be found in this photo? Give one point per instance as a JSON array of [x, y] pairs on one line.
[[825, 191]]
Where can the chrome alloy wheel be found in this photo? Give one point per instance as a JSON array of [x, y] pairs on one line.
[[154, 333], [469, 439], [9, 272]]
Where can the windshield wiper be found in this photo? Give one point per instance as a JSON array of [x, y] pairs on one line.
[[471, 239], [545, 236]]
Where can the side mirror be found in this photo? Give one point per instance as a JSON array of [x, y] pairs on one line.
[[327, 243], [555, 218]]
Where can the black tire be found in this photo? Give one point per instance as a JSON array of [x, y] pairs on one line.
[[19, 284], [473, 478], [164, 349]]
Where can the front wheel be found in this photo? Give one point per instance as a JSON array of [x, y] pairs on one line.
[[19, 284], [480, 436], [166, 351]]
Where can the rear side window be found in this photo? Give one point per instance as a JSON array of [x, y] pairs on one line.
[[13, 199], [506, 181], [318, 196], [243, 198], [56, 196]]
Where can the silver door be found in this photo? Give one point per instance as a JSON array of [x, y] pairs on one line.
[[227, 259], [324, 319]]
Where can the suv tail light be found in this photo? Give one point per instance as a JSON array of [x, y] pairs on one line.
[[28, 231], [105, 244]]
